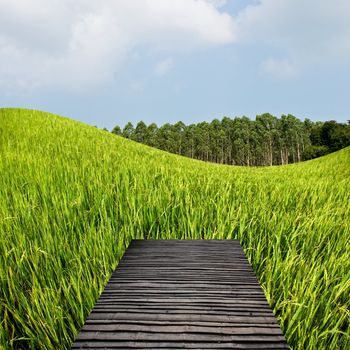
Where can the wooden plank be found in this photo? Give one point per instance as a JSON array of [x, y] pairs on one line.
[[187, 328], [179, 335], [199, 294], [174, 345], [165, 319]]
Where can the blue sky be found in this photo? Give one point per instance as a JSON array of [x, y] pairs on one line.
[[109, 62]]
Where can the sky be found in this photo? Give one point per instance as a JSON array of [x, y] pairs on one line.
[[109, 62]]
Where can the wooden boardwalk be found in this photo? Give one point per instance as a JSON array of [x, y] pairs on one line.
[[170, 294]]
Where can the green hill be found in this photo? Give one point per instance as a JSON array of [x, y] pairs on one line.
[[73, 196]]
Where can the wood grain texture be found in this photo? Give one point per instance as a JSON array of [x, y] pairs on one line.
[[172, 294]]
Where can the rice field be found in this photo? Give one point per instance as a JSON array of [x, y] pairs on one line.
[[73, 196]]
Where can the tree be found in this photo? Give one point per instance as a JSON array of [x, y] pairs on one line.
[[128, 131], [178, 133], [226, 124], [312, 151], [292, 138], [241, 131], [189, 141], [335, 135], [117, 130], [152, 135], [165, 138], [217, 138], [267, 129], [202, 137], [315, 134], [140, 132]]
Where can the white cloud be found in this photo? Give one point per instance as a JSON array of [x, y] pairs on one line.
[[217, 3], [81, 44], [313, 32], [164, 66]]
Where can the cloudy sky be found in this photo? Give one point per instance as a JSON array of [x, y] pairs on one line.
[[112, 61]]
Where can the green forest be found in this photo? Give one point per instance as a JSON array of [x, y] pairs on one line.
[[265, 141]]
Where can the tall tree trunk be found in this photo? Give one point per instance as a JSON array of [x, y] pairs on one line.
[[281, 152], [298, 152], [270, 151]]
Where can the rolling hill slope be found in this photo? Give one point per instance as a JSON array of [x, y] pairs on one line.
[[73, 196]]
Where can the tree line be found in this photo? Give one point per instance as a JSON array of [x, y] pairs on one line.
[[267, 140]]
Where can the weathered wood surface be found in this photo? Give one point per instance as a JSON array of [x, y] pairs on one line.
[[168, 294]]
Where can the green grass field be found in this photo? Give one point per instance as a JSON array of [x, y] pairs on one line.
[[73, 196]]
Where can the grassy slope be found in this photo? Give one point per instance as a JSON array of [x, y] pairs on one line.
[[73, 196]]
